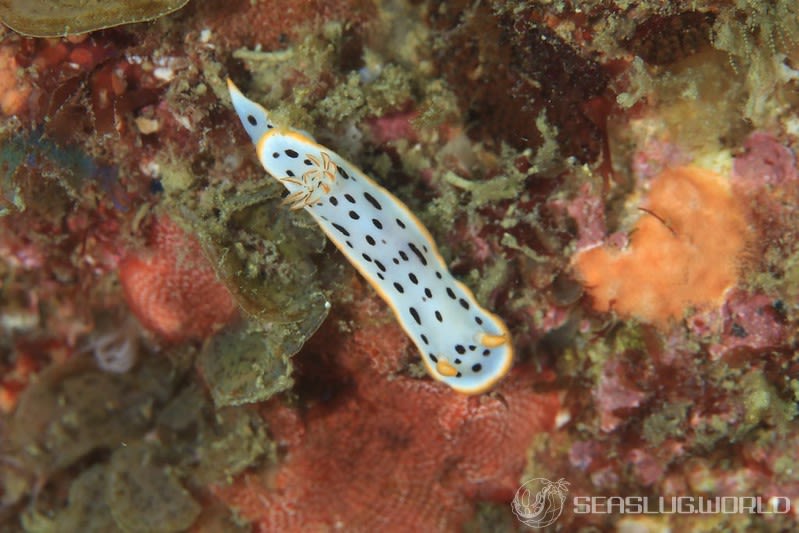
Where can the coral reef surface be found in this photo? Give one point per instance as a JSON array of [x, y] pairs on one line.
[[617, 180]]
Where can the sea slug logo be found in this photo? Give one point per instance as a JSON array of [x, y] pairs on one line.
[[539, 502]]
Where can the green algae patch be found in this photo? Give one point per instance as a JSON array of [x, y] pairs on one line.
[[47, 18], [271, 261], [762, 403], [264, 253], [756, 403], [779, 275], [667, 422], [75, 409], [87, 510], [757, 36], [145, 482], [589, 358], [243, 366], [352, 100], [236, 441], [372, 91], [216, 518], [208, 445], [269, 256], [145, 496]]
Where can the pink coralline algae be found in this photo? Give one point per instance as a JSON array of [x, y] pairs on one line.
[[393, 127], [616, 394], [750, 321], [587, 212], [171, 287], [655, 155], [394, 453], [764, 161]]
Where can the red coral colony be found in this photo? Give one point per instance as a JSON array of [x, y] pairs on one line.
[[616, 180]]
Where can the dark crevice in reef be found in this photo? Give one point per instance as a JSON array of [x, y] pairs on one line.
[[505, 69]]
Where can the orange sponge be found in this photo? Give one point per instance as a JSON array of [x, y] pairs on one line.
[[684, 251]]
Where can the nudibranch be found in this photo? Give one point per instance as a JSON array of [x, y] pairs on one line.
[[461, 344]]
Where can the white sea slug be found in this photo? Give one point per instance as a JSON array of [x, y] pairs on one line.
[[461, 344]]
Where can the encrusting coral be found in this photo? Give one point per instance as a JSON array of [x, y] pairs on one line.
[[389, 452], [685, 250], [171, 287]]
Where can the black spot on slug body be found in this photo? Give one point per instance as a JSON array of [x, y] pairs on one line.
[[377, 223], [371, 199], [370, 240], [400, 223], [251, 119], [464, 304], [291, 153], [451, 293], [354, 215], [341, 229], [413, 278], [401, 290], [343, 173], [419, 254], [380, 265], [333, 200], [477, 367], [415, 315], [349, 198], [428, 292], [366, 258], [460, 349], [438, 316], [403, 255]]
